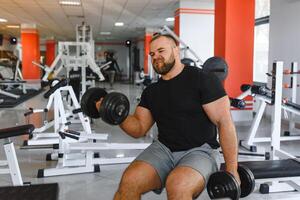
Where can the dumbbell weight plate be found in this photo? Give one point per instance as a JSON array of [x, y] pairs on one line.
[[89, 99], [216, 65], [114, 108], [247, 180], [223, 184]]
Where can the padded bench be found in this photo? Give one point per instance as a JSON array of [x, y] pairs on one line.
[[11, 165], [273, 168], [30, 192], [282, 171]]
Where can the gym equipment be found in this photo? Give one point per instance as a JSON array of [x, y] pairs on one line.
[[222, 184], [188, 62], [64, 115], [48, 191], [78, 151], [285, 172], [21, 190], [237, 103], [279, 175], [114, 106], [255, 89], [75, 55], [15, 96], [273, 97], [10, 153], [216, 65]]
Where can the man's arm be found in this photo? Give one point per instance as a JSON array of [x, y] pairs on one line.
[[219, 113], [138, 124]]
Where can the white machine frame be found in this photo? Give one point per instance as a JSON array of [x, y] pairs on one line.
[[276, 184], [10, 165], [61, 115]]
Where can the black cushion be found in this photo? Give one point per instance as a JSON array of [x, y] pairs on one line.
[[16, 131], [273, 168], [31, 192]]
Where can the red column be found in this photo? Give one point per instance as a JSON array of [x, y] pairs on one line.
[[147, 40], [177, 22], [50, 51], [30, 52], [234, 41]]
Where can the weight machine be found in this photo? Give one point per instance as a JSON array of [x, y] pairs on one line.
[[75, 55], [63, 115]]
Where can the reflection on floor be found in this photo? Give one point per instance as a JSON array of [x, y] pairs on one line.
[[103, 185]]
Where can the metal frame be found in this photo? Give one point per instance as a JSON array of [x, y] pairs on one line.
[[11, 165], [61, 115]]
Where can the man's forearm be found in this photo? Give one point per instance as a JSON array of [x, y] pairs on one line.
[[229, 145], [132, 127]]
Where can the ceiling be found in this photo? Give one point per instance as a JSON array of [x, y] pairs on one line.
[[59, 21]]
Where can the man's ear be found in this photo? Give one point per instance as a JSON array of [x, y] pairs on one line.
[[177, 50]]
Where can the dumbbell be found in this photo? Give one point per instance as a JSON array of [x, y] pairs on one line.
[[222, 184], [237, 103], [114, 107], [255, 89]]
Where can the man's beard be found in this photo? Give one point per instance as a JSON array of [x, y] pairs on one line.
[[167, 66]]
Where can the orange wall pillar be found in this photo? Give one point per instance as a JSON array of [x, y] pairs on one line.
[[30, 52], [234, 41], [147, 40], [50, 51], [176, 23]]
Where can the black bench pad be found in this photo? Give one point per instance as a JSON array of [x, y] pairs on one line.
[[273, 168], [16, 131], [31, 192]]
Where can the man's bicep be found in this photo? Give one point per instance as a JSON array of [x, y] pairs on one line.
[[144, 117], [218, 110]]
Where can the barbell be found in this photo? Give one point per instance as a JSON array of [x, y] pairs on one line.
[[222, 184], [114, 107]]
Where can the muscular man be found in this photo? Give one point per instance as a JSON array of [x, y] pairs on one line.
[[188, 107]]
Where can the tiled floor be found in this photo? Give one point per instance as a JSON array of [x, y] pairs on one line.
[[103, 185]]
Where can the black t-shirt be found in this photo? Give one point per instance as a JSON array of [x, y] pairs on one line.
[[176, 107]]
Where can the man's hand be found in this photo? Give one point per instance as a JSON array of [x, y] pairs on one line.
[[236, 175], [98, 103]]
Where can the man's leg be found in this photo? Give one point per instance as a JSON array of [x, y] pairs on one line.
[[139, 178], [193, 168], [184, 183]]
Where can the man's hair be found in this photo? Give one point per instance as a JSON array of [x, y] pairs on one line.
[[158, 35]]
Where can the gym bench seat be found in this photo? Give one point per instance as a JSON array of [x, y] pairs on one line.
[[273, 168]]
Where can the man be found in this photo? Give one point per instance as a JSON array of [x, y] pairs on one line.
[[187, 105], [113, 67]]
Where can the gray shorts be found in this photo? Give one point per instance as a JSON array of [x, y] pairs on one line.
[[203, 159]]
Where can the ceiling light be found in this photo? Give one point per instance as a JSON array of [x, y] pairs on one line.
[[3, 20], [105, 33], [119, 24], [70, 3], [12, 26], [170, 19]]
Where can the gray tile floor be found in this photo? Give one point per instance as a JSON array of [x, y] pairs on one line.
[[103, 185]]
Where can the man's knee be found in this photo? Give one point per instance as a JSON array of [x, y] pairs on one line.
[[180, 185], [129, 182], [139, 177]]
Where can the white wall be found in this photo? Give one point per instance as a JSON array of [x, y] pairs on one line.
[[284, 35], [197, 30]]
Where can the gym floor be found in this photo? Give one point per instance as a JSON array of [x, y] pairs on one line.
[[103, 185]]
